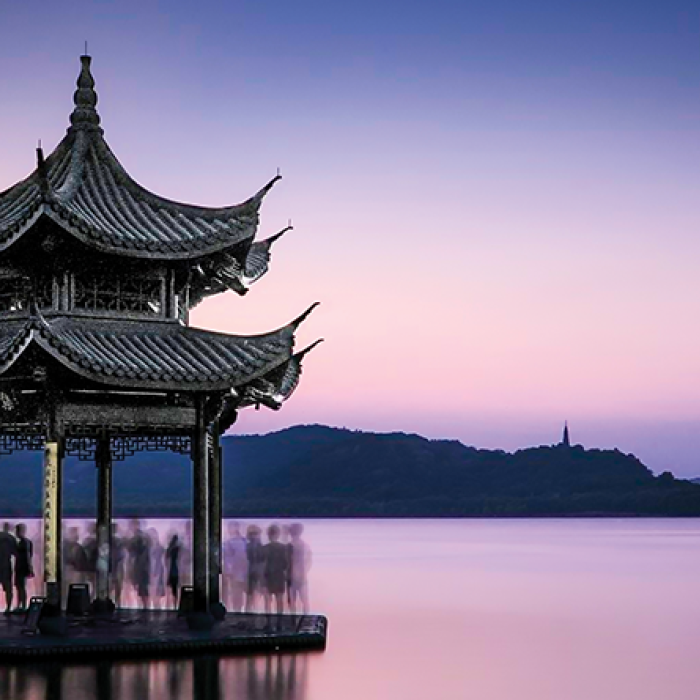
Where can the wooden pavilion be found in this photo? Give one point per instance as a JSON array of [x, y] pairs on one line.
[[97, 357]]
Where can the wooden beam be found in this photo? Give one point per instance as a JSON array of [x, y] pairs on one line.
[[131, 414]]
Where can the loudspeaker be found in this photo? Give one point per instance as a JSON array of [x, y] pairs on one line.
[[186, 601], [78, 599], [33, 616]]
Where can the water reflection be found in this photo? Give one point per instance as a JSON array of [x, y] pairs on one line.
[[534, 610], [276, 677]]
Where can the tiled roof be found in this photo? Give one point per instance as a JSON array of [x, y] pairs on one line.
[[84, 189], [142, 355]]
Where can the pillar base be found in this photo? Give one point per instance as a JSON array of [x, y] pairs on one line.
[[218, 611], [103, 607], [53, 626], [54, 604], [200, 621]]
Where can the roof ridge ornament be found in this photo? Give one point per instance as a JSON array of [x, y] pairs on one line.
[[36, 319], [299, 355], [279, 234], [300, 319], [42, 172], [85, 114], [258, 197]]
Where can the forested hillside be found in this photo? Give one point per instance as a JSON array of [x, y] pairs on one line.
[[329, 472]]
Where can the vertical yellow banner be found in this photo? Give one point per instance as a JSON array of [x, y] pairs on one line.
[[51, 515]]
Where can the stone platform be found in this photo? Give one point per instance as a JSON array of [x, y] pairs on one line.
[[156, 633]]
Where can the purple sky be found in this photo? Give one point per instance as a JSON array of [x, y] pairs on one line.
[[496, 202]]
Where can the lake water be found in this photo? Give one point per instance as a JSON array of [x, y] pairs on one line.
[[479, 609]]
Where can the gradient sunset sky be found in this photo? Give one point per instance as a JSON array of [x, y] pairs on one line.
[[496, 202]]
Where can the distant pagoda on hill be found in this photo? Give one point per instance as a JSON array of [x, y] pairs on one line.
[[97, 358], [565, 439]]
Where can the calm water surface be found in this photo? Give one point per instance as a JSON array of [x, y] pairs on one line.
[[490, 610]]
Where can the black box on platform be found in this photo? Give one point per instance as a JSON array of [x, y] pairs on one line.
[[186, 601], [78, 599]]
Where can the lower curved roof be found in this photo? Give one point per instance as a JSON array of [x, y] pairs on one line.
[[152, 356]]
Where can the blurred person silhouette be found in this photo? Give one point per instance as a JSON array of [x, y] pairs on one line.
[[235, 568], [117, 564], [276, 568], [186, 555], [285, 540], [104, 560], [91, 555], [300, 565], [8, 549], [74, 560], [140, 562], [255, 552], [24, 569], [36, 536], [157, 569], [172, 556]]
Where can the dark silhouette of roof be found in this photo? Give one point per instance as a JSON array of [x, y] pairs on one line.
[[84, 189]]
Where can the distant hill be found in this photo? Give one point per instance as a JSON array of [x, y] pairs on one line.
[[330, 472]]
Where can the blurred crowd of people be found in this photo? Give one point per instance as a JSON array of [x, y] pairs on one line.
[[262, 570], [275, 573]]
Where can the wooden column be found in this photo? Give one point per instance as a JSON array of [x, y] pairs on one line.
[[215, 511], [53, 478], [103, 462], [201, 516]]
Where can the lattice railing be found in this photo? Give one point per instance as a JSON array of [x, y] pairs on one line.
[[15, 441], [121, 447], [84, 446]]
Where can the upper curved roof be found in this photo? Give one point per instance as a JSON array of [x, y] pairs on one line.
[[86, 191]]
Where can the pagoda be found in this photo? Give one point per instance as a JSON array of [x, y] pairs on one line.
[[97, 358]]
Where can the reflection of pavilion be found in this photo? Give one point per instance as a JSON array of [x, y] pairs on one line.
[[97, 358], [207, 677]]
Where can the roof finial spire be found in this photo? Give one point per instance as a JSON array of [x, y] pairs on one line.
[[85, 97]]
